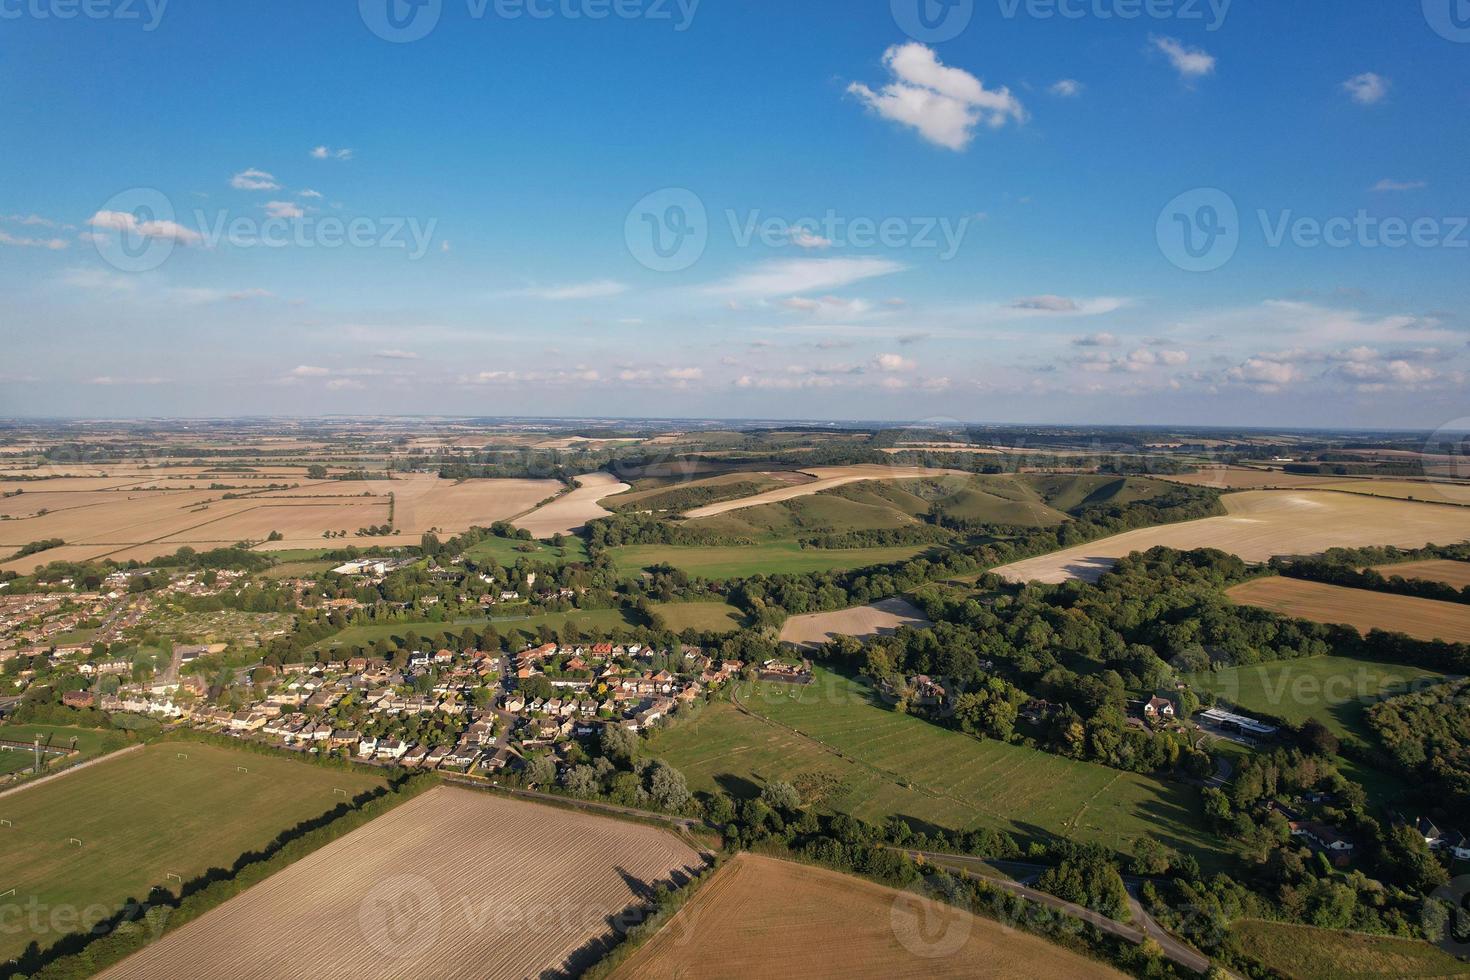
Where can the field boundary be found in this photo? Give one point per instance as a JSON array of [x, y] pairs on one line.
[[71, 769]]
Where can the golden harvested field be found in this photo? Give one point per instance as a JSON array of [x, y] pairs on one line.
[[1261, 524], [1424, 619], [1434, 491], [825, 478], [1456, 573], [128, 522], [760, 917], [572, 511], [878, 619], [453, 884], [1245, 478]]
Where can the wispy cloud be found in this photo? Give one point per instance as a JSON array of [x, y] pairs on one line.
[[128, 223], [793, 276], [1190, 63], [1388, 185], [254, 180], [327, 153], [596, 289]]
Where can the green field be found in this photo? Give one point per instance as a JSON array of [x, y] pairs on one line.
[[706, 617], [527, 626], [1305, 953], [90, 742], [771, 558], [508, 551], [299, 569], [848, 752], [1337, 691], [141, 817]]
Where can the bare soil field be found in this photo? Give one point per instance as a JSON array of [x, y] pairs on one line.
[[1262, 524], [878, 619], [572, 511], [424, 501], [760, 917], [1424, 619], [1455, 573], [499, 889], [825, 478]]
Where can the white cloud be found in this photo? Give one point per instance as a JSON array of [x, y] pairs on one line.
[[1388, 184], [397, 355], [792, 276], [1067, 88], [108, 380], [53, 244], [30, 220], [827, 305], [254, 180], [1368, 88], [123, 221], [1265, 375], [345, 384], [806, 238], [307, 371], [1049, 305], [315, 195], [597, 289], [327, 153], [684, 374], [284, 209], [944, 104], [893, 362], [1190, 63], [1096, 340]]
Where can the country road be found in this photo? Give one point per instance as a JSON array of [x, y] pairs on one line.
[[1179, 952]]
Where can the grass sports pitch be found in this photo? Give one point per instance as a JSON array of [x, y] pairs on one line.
[[140, 818]]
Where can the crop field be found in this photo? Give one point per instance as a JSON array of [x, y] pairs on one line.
[[826, 478], [769, 558], [707, 617], [1261, 524], [666, 495], [571, 512], [485, 894], [130, 522], [506, 626], [762, 917], [1337, 691], [1455, 573], [878, 619], [1249, 478], [837, 743], [143, 816], [508, 551], [1424, 619], [1306, 953]]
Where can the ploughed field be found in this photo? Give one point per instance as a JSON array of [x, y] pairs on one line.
[[878, 619], [1452, 573], [86, 842], [1261, 524], [452, 884], [1362, 609], [762, 917]]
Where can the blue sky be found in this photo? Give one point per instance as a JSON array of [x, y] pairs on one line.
[[1032, 174]]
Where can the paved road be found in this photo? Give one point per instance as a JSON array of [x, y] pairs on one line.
[[1175, 950]]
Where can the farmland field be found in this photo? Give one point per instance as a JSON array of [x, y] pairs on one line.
[[366, 635], [847, 752], [877, 619], [1334, 690], [1305, 953], [130, 521], [826, 478], [761, 917], [770, 558], [1364, 610], [1453, 573], [485, 894], [148, 814], [571, 512], [1261, 524], [508, 551], [707, 617]]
